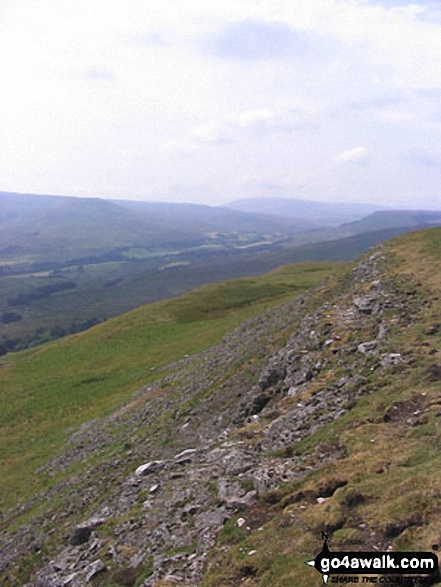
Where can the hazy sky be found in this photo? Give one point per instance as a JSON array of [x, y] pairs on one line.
[[186, 101]]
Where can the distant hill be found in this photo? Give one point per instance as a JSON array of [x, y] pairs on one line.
[[316, 212], [63, 228], [202, 217], [395, 218]]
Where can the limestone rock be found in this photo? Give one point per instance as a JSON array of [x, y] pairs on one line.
[[149, 468], [368, 348], [94, 569]]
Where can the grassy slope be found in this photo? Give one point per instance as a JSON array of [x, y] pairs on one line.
[[390, 466], [50, 389]]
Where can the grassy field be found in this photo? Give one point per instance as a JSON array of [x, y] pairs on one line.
[[48, 391]]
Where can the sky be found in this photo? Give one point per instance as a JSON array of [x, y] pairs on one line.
[[180, 100]]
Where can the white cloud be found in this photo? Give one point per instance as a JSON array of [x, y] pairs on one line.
[[358, 155], [285, 117]]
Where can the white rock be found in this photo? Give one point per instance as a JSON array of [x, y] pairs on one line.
[[94, 568], [149, 468], [69, 581], [185, 453]]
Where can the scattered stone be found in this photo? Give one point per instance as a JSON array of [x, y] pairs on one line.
[[185, 455], [389, 359], [253, 403], [382, 331], [172, 579], [274, 373], [94, 569], [149, 468], [241, 503], [365, 304], [71, 580], [189, 510], [368, 348]]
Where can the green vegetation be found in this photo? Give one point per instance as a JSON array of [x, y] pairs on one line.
[[49, 390]]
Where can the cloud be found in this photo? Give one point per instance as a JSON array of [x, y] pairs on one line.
[[258, 186], [375, 103], [422, 157], [254, 39], [430, 93], [357, 155], [153, 38], [103, 75], [271, 90], [391, 3], [254, 123]]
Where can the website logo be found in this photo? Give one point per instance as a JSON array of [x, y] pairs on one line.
[[400, 564]]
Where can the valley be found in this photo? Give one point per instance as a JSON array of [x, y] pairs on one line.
[[67, 264]]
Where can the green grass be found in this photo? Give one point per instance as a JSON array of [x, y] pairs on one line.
[[49, 390]]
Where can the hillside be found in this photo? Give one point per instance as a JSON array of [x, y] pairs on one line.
[[104, 366], [319, 414]]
